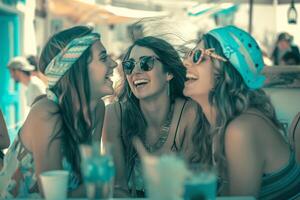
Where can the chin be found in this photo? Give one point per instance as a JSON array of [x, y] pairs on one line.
[[186, 93], [107, 91], [141, 95]]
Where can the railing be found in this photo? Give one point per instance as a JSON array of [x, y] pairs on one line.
[[282, 76]]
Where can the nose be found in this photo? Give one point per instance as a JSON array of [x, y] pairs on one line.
[[137, 68], [187, 63], [113, 64]]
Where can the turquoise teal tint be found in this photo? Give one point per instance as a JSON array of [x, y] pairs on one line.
[[98, 174], [9, 47], [200, 186], [237, 46], [98, 168]]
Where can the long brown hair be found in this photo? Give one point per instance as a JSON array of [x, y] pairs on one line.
[[134, 123], [230, 97], [73, 92]]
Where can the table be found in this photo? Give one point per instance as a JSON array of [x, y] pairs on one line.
[[218, 198]]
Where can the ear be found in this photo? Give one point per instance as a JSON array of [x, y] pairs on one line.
[[169, 76]]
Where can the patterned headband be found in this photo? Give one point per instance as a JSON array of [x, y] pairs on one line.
[[63, 61]]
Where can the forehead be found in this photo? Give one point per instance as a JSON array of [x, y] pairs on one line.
[[98, 47], [200, 45], [137, 52], [283, 41]]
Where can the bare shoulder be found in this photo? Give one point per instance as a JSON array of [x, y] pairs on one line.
[[244, 128], [42, 121], [190, 109], [112, 122], [44, 110], [113, 110], [186, 116]]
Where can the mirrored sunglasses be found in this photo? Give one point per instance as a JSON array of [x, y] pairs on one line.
[[197, 55], [146, 64]]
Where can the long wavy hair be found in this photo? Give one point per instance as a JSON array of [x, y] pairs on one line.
[[133, 120], [73, 92], [230, 97]]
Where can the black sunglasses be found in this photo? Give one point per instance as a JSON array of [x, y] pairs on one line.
[[146, 64], [198, 54]]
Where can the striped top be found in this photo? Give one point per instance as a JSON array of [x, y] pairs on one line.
[[282, 184]]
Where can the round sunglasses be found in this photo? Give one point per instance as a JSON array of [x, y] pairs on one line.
[[146, 64], [197, 55]]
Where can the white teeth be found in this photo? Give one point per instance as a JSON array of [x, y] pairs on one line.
[[142, 81], [191, 76], [108, 76]]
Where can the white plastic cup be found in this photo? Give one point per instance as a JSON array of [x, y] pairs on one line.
[[55, 184]]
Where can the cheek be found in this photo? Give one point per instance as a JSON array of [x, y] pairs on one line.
[[97, 72], [206, 78], [158, 76], [129, 82]]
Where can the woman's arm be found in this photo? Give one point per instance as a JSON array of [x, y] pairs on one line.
[[4, 138], [112, 134], [244, 157]]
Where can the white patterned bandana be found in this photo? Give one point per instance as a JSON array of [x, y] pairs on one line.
[[63, 61]]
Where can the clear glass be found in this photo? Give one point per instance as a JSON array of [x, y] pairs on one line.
[[98, 170], [202, 183], [162, 181]]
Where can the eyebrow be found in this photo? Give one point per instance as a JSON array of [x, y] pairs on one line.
[[102, 52], [146, 56], [141, 57]]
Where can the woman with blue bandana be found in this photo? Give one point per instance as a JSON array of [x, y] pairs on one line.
[[78, 70], [224, 75]]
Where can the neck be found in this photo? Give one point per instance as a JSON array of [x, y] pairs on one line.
[[155, 110], [25, 80], [93, 105], [208, 109]]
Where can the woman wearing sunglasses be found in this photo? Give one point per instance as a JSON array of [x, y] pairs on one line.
[[252, 157], [152, 107]]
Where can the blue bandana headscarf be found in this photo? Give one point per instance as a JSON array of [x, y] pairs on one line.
[[63, 61], [241, 49]]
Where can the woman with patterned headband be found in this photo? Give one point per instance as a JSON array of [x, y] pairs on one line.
[[224, 77], [153, 108], [78, 70]]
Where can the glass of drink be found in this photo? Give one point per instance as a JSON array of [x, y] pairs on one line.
[[201, 184], [98, 170]]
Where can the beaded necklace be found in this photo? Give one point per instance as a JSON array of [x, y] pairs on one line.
[[164, 133]]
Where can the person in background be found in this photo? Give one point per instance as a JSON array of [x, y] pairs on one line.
[[33, 60], [284, 46], [78, 70], [4, 138], [224, 75], [290, 58], [151, 107], [20, 71]]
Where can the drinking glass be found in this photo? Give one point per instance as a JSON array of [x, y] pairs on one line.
[[98, 170], [201, 184], [164, 177]]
